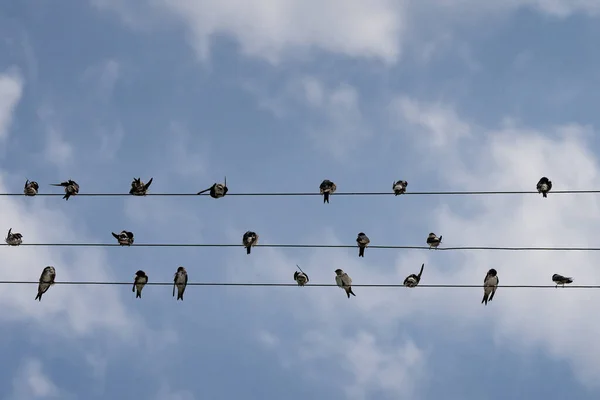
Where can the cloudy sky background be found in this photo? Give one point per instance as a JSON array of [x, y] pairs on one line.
[[279, 95]]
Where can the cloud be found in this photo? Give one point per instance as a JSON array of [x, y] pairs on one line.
[[103, 77], [32, 383], [11, 90]]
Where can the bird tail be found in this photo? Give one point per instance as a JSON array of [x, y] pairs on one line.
[[350, 292], [138, 294], [325, 197], [485, 299], [545, 194], [440, 239], [493, 293], [180, 296], [361, 251], [203, 191], [421, 271], [39, 296], [248, 249], [66, 197]]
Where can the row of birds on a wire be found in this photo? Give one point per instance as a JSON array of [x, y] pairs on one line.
[[218, 190]]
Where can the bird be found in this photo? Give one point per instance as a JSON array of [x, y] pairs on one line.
[[180, 280], [399, 187], [139, 188], [46, 280], [344, 281], [490, 284], [217, 190], [31, 188], [13, 239], [544, 186], [300, 277], [125, 238], [561, 280], [413, 280], [326, 188], [363, 241], [433, 240], [138, 283], [71, 188], [249, 239]]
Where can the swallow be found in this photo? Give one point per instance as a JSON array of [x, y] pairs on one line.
[[413, 280], [46, 280], [139, 188], [363, 241], [399, 187], [71, 188], [433, 240], [344, 281], [13, 239], [301, 277], [544, 186], [138, 283], [217, 190], [125, 238], [490, 284], [180, 280], [561, 280], [249, 239], [326, 188], [31, 188]]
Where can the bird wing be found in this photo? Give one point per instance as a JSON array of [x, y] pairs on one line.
[[147, 185], [346, 279], [115, 235], [338, 280]]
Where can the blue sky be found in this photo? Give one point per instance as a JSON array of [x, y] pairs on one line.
[[279, 95]]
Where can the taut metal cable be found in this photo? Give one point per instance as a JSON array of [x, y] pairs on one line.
[[314, 246]]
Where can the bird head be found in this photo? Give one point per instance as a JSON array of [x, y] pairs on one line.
[[492, 272], [140, 274], [180, 269], [338, 271]]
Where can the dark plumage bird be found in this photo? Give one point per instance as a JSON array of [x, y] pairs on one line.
[[31, 188], [180, 281], [248, 240], [217, 190], [399, 187], [544, 186], [433, 240], [139, 188], [490, 284], [138, 283], [413, 280], [344, 281], [125, 238], [13, 239], [46, 280], [561, 280], [71, 188], [326, 188], [363, 241]]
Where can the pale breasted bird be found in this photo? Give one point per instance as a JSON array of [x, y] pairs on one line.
[[363, 241], [300, 277], [433, 240], [326, 188], [344, 281], [248, 240], [217, 190], [561, 280], [139, 188], [180, 281], [31, 188], [413, 280], [46, 280], [490, 284], [13, 239], [399, 187], [544, 186], [125, 238], [138, 283], [71, 188]]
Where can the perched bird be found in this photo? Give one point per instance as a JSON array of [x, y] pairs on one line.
[[71, 188], [217, 190], [413, 280], [363, 241], [13, 239], [344, 281], [561, 280], [140, 280], [544, 186], [433, 240], [326, 188], [490, 284], [180, 280], [46, 280], [300, 277], [31, 188], [125, 238], [399, 187], [139, 188], [249, 239]]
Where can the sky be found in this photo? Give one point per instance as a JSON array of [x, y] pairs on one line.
[[278, 95]]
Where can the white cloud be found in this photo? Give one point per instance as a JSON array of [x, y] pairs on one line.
[[57, 151], [103, 77], [11, 90], [32, 383]]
